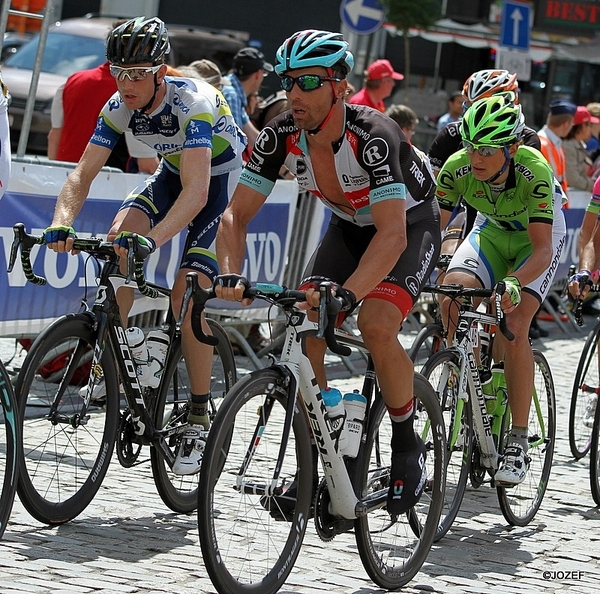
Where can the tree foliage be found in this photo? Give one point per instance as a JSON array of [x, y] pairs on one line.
[[406, 14]]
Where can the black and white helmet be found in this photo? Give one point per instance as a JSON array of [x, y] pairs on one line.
[[139, 40]]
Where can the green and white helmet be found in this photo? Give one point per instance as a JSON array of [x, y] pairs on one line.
[[493, 121]]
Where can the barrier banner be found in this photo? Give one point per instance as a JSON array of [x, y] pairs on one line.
[[25, 309]]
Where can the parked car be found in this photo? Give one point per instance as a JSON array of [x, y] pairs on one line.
[[78, 44]]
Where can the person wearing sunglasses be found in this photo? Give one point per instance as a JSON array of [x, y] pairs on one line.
[[189, 124], [517, 238], [383, 237]]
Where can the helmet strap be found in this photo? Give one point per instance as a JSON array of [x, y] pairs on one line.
[[328, 117], [156, 87], [507, 160]]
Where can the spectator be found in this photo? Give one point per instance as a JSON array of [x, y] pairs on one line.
[[593, 145], [4, 138], [579, 163], [558, 125], [405, 117], [455, 110], [210, 72], [249, 70], [268, 108], [75, 110], [380, 78]]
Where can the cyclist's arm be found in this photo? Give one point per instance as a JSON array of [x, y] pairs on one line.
[[194, 170], [75, 190]]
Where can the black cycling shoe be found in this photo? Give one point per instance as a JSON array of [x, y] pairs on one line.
[[407, 478]]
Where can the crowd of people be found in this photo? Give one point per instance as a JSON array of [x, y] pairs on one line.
[[390, 201]]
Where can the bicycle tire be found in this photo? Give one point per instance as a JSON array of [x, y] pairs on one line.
[[427, 342], [393, 548], [443, 372], [520, 503], [587, 374], [9, 442], [179, 493], [595, 458], [63, 463], [248, 544]]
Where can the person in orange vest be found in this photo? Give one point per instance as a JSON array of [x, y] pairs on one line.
[[558, 124]]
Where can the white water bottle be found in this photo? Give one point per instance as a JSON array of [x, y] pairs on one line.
[[332, 398], [158, 345], [139, 352], [355, 405]]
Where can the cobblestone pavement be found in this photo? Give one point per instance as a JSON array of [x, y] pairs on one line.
[[128, 541]]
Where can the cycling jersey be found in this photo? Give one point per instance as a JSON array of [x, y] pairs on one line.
[[373, 162], [4, 140], [527, 197], [594, 205], [192, 114]]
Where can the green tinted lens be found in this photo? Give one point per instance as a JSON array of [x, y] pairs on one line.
[[309, 82]]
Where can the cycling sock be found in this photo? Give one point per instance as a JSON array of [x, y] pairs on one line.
[[403, 434], [198, 410], [519, 435]]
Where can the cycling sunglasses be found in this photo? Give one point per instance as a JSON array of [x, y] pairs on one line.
[[484, 151], [306, 82], [133, 74]]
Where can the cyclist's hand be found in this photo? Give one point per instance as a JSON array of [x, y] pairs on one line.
[[347, 297], [512, 294], [143, 246], [60, 238], [580, 283], [231, 287]]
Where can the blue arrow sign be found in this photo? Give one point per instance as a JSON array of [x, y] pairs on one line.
[[515, 29], [362, 16]]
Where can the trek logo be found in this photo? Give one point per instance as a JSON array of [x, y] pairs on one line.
[[376, 151]]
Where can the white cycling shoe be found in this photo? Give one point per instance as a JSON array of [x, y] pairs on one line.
[[513, 467], [191, 450]]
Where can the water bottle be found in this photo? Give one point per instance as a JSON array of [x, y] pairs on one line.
[[139, 352], [496, 406], [332, 398], [158, 345], [355, 405]]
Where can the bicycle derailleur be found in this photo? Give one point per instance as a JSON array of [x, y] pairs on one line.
[[129, 441]]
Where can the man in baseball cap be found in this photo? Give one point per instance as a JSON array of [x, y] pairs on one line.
[[380, 78], [250, 60]]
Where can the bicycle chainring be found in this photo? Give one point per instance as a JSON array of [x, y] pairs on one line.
[[327, 525], [128, 450]]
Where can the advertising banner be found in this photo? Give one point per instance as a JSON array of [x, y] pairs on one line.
[[25, 309]]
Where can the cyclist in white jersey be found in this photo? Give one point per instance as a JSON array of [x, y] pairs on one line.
[[190, 126], [4, 139]]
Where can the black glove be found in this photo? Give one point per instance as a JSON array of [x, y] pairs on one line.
[[230, 281], [347, 296]]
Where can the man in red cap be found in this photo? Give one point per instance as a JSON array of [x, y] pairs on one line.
[[380, 78]]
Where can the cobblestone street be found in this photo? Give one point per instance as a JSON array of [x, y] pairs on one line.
[[128, 541]]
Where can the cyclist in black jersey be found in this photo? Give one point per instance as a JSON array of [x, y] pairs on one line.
[[383, 238]]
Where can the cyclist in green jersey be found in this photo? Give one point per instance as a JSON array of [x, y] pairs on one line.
[[518, 236]]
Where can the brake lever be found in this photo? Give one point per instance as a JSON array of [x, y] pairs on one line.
[[500, 317]]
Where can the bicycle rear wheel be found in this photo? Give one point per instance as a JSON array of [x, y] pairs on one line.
[[250, 535], [595, 458], [180, 493], [66, 448], [393, 548], [428, 341], [585, 388], [9, 442], [520, 503], [443, 373]]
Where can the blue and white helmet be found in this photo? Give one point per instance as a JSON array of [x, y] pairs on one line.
[[314, 48]]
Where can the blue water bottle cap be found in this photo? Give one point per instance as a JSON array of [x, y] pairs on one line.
[[331, 396]]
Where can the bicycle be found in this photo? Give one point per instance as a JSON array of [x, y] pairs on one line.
[[476, 437], [586, 387], [260, 445], [9, 445], [68, 440]]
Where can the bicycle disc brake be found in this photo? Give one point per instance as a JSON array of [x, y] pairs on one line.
[[328, 526], [128, 450]]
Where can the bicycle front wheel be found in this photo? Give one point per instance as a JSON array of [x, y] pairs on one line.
[[180, 493], [443, 373], [393, 548], [254, 497], [66, 447], [520, 503], [584, 395], [595, 458], [427, 342], [9, 442]]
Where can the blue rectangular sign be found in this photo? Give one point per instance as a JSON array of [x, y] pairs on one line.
[[515, 27]]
